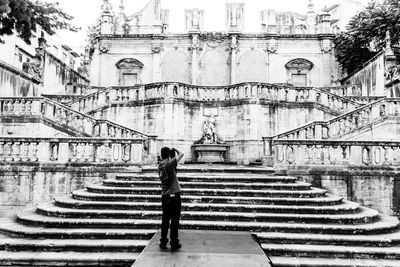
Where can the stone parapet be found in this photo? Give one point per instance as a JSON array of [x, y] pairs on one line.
[[215, 94], [71, 149], [343, 124]]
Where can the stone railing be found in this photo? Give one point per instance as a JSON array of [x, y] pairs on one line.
[[63, 99], [243, 91], [71, 150], [83, 124], [364, 100], [331, 153], [345, 123], [345, 90]]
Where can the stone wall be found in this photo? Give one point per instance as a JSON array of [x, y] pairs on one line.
[[14, 82], [241, 123], [371, 76], [214, 59], [25, 184], [375, 188], [361, 171], [57, 75], [32, 127]]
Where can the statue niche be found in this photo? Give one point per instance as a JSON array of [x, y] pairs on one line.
[[210, 148]]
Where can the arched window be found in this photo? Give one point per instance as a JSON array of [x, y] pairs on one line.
[[129, 71], [298, 71]]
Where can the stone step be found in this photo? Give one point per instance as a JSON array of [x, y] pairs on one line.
[[14, 229], [214, 177], [215, 168], [77, 245], [117, 259], [296, 201], [329, 251], [345, 208], [382, 240], [313, 192], [383, 225], [364, 216], [330, 262], [208, 185]]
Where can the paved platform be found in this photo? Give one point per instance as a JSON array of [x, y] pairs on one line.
[[205, 248]]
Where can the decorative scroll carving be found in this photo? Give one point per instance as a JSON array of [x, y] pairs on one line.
[[272, 46], [326, 45], [156, 48]]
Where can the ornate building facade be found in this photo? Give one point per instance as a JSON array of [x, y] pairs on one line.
[[292, 48]]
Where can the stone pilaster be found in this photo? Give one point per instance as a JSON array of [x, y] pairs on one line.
[[233, 57], [195, 64], [156, 51]]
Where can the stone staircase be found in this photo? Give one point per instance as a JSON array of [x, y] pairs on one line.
[[109, 224]]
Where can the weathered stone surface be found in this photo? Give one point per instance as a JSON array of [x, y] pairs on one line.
[[275, 208]]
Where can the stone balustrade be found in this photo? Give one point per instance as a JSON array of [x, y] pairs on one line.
[[364, 100], [71, 150], [344, 123], [346, 90], [63, 99], [243, 91], [17, 106], [331, 153], [64, 115]]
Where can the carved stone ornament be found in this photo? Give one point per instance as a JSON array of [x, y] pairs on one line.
[[299, 64], [104, 48], [272, 46], [214, 40], [234, 43], [156, 49], [129, 63], [326, 46], [392, 73]]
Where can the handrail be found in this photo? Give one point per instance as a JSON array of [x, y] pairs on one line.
[[301, 131], [78, 121], [170, 90]]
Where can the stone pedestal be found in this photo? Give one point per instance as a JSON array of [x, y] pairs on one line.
[[210, 153]]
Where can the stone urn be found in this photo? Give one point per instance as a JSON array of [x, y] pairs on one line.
[[210, 153]]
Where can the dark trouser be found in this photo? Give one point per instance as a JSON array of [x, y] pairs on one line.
[[171, 207]]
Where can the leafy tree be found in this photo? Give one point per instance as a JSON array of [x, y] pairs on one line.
[[22, 16], [366, 34]]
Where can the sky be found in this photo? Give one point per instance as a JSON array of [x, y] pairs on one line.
[[86, 12]]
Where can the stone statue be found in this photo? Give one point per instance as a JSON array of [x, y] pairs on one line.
[[209, 132]]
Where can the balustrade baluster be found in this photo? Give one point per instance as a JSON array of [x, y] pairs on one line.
[[33, 148]]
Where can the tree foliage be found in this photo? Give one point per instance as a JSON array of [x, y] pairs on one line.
[[366, 34], [22, 16]]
